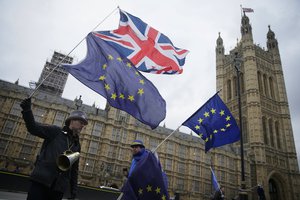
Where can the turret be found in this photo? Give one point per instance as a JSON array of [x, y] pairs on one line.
[[220, 56], [246, 29], [271, 40], [220, 46]]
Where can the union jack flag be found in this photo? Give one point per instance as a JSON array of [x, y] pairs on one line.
[[147, 49], [248, 10]]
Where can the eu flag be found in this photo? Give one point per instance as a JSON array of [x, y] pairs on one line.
[[214, 123], [106, 72], [146, 181], [214, 180]]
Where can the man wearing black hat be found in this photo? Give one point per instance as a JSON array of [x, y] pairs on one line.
[[47, 180]]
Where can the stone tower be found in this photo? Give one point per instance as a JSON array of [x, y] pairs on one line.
[[54, 83], [267, 131]]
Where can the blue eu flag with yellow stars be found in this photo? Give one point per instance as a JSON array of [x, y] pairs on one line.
[[146, 181], [106, 72], [214, 123]]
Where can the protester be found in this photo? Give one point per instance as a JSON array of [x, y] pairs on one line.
[[145, 171], [261, 192], [48, 182], [138, 153], [219, 194]]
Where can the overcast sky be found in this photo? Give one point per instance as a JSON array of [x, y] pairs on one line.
[[32, 29]]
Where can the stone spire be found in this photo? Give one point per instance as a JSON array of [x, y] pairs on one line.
[[271, 40]]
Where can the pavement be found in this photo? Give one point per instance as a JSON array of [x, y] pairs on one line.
[[12, 195], [6, 195]]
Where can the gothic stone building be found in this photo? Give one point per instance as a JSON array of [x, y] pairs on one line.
[[266, 122]]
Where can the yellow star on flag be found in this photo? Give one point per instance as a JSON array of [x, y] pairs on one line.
[[119, 59], [128, 64], [113, 96], [197, 127], [228, 118], [141, 91], [140, 191], [222, 112], [163, 197], [213, 111], [104, 66], [228, 125], [121, 96], [157, 190], [107, 87], [131, 98], [142, 82], [102, 78], [206, 114], [149, 188], [110, 57], [200, 120]]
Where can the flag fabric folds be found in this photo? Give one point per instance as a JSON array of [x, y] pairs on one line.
[[214, 123], [214, 180], [146, 181], [248, 10], [114, 77], [148, 49]]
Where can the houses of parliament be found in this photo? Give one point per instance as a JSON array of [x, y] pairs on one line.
[[270, 157]]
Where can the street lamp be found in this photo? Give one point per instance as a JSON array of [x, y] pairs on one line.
[[237, 65]]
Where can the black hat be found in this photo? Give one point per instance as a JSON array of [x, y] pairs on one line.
[[137, 143], [77, 114]]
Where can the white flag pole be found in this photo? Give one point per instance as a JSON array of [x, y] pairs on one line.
[[153, 150]]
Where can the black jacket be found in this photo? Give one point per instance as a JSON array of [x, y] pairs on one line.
[[56, 141], [218, 195]]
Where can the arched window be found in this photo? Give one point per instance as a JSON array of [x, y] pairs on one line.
[[235, 86], [245, 130], [277, 132], [271, 132], [229, 94], [265, 133], [242, 83], [259, 83], [271, 88], [266, 85]]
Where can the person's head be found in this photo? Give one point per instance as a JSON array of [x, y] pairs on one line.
[[222, 189], [137, 146], [76, 121]]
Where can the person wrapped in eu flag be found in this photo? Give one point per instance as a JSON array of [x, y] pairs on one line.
[[146, 180]]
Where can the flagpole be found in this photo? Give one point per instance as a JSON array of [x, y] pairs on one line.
[[241, 10], [153, 150], [60, 62]]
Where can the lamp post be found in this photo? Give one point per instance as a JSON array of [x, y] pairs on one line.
[[237, 65]]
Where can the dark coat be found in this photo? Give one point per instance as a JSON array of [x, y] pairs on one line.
[[261, 193], [218, 195], [56, 141]]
